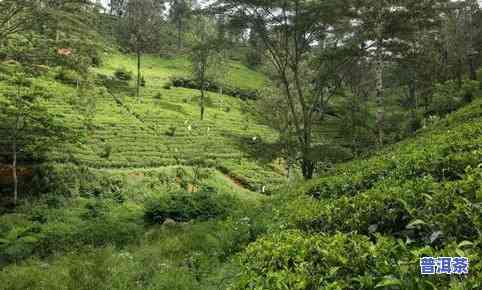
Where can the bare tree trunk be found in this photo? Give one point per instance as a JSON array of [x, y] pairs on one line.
[[307, 164], [138, 73], [202, 102], [288, 169], [472, 68], [202, 69], [14, 170], [179, 33], [380, 100], [307, 167], [57, 35], [14, 151], [413, 103], [470, 47]]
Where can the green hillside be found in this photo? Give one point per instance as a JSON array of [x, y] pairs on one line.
[[240, 145], [371, 221], [163, 128]]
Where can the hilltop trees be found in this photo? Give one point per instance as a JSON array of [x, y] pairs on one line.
[[14, 16], [205, 54], [140, 28], [45, 27], [388, 30], [117, 7], [461, 35], [180, 13], [312, 48]]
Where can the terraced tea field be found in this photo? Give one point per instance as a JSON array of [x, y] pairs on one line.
[[163, 128]]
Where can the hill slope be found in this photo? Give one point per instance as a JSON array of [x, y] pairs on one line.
[[367, 228], [162, 128], [368, 223]]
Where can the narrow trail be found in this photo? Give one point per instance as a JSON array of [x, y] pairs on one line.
[[235, 182]]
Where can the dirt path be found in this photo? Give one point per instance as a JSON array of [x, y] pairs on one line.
[[235, 181]]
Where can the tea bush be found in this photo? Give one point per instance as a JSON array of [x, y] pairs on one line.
[[185, 206], [212, 86], [123, 74], [68, 76], [294, 260], [366, 224]]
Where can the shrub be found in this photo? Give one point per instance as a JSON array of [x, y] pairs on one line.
[[123, 74], [446, 98], [212, 86], [470, 89], [58, 179], [68, 76], [109, 231], [18, 243], [183, 206], [171, 131], [421, 210], [38, 70], [158, 96], [167, 86], [106, 151], [293, 260]]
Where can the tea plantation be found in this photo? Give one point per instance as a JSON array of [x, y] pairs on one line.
[[153, 198], [162, 128], [366, 225]]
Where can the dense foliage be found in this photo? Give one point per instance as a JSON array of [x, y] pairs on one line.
[[338, 143], [367, 224], [183, 207]]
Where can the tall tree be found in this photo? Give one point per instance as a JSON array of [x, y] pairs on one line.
[[461, 28], [289, 30], [205, 54], [29, 128], [382, 26], [142, 20], [179, 14]]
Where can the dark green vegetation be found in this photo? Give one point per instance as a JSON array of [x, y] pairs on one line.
[[281, 144], [370, 222], [366, 225]]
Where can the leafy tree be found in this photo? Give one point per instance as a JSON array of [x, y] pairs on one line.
[[256, 51], [117, 7], [180, 13], [383, 28], [356, 121], [141, 25], [459, 31], [28, 128], [290, 30], [15, 16], [56, 26], [205, 55]]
